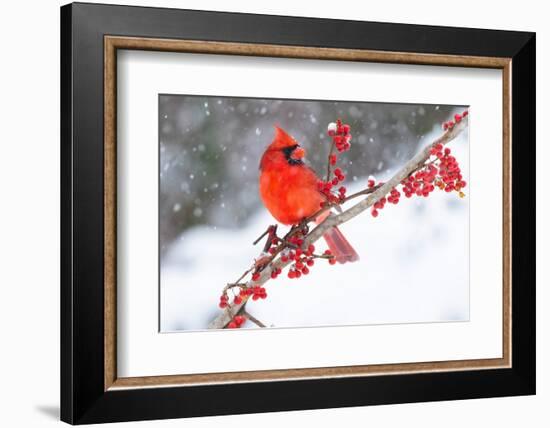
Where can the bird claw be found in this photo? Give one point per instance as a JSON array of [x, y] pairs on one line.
[[303, 226]]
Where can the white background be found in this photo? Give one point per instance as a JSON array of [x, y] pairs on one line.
[[144, 352], [29, 229]]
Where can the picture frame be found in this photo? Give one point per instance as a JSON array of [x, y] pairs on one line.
[[91, 390]]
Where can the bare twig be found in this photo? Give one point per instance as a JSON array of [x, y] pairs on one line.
[[253, 319], [374, 194], [329, 166]]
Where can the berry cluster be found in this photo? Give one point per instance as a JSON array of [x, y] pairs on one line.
[[236, 322], [393, 198], [420, 183], [449, 175], [256, 292], [303, 260], [442, 171], [341, 140], [224, 301], [457, 119], [340, 134], [326, 188]]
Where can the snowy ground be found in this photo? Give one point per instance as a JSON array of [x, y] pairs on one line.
[[414, 267]]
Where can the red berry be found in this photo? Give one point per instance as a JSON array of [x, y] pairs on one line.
[[232, 324], [255, 276], [374, 212], [238, 300], [332, 261], [310, 262]]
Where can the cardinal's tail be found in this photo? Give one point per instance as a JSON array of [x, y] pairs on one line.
[[339, 246]]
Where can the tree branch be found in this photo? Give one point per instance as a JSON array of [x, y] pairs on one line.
[[253, 319], [374, 194]]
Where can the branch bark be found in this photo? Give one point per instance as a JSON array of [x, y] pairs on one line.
[[410, 167]]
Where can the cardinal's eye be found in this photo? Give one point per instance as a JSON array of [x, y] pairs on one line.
[[288, 150]]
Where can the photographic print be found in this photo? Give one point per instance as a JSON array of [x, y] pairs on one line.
[[281, 213]]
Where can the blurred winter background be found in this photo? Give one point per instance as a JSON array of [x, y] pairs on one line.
[[414, 257]]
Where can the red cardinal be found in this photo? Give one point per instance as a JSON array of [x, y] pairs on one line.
[[289, 191]]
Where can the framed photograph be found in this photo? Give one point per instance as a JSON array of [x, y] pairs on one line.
[[308, 213]]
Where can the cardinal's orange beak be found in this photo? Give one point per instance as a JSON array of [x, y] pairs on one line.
[[298, 153]]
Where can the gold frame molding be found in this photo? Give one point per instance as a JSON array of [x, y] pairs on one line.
[[113, 43]]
